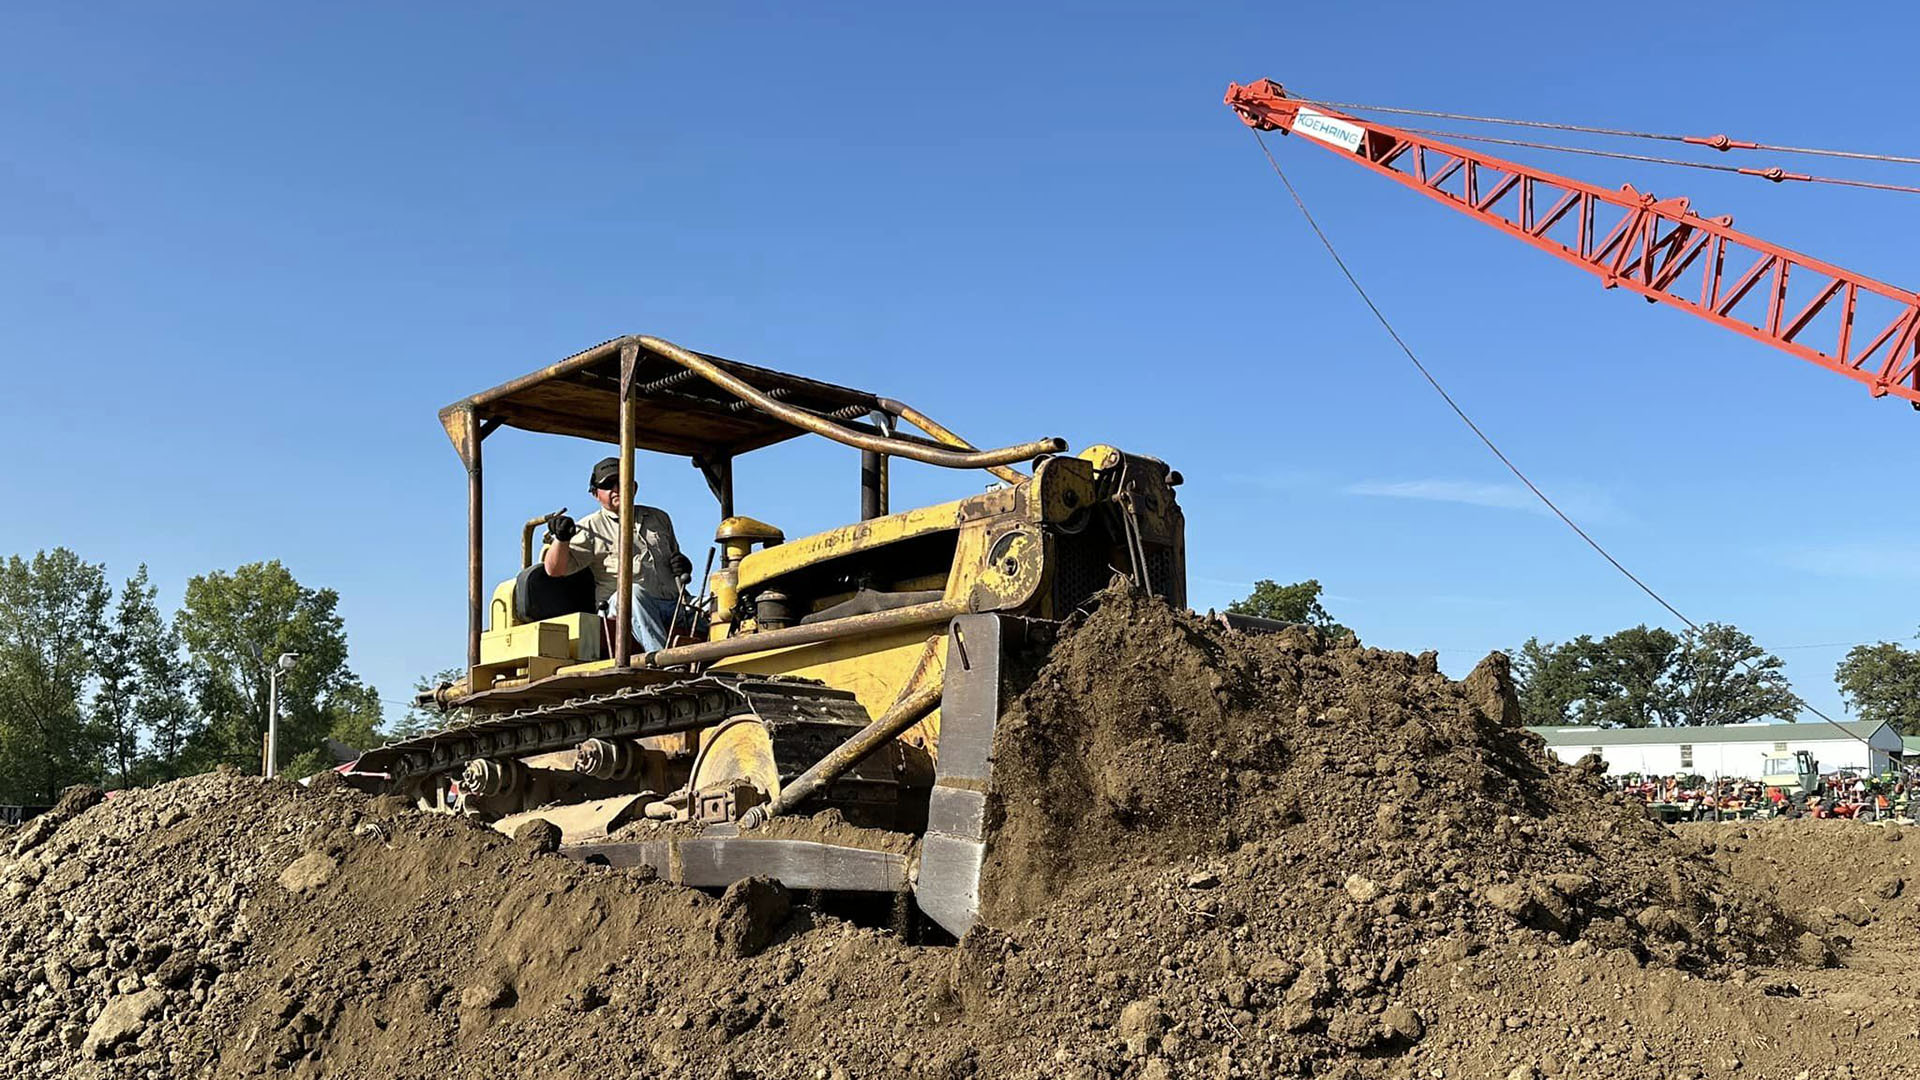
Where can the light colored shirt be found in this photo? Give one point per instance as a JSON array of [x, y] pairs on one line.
[[595, 547]]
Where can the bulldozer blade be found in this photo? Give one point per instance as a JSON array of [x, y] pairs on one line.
[[953, 853], [720, 856], [582, 822]]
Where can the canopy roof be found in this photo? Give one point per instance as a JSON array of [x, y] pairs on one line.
[[677, 411]]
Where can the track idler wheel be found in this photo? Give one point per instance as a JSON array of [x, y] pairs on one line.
[[607, 759], [485, 778]]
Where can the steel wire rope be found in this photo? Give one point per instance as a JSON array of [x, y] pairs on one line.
[[1774, 175], [1717, 142], [1486, 440], [1776, 648]]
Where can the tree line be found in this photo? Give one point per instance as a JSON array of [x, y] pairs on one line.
[[1648, 676], [104, 688]]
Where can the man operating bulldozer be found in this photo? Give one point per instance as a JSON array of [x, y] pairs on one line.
[[592, 544]]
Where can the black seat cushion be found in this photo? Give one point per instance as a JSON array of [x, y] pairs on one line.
[[539, 595]]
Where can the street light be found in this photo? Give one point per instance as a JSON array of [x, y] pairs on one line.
[[284, 664]]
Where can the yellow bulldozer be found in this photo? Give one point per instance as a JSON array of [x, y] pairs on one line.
[[858, 669]]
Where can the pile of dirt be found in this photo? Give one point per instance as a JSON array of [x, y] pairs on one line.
[[1220, 856], [1323, 769], [1856, 883]]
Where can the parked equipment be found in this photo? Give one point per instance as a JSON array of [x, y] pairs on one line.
[[1796, 775]]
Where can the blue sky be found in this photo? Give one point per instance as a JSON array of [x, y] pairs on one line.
[[246, 251]]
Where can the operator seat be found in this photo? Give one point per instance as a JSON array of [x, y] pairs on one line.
[[539, 595]]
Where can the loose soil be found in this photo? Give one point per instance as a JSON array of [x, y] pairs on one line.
[[1218, 856]]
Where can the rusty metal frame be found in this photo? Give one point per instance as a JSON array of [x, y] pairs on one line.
[[1649, 249]]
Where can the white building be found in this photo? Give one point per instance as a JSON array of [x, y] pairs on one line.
[[1735, 751]]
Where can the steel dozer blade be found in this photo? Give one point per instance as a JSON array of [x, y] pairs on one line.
[[581, 822], [720, 856], [953, 853]]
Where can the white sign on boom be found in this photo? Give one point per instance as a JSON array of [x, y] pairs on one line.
[[1318, 125]]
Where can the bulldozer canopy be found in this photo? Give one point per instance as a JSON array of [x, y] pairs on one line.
[[676, 411]]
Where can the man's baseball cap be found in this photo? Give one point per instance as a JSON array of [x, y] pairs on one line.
[[606, 474]]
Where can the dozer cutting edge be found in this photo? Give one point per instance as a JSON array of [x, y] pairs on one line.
[[857, 669]]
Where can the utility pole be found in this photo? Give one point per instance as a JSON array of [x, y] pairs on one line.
[[271, 767]]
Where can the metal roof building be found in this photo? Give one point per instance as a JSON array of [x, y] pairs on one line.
[[1735, 751]]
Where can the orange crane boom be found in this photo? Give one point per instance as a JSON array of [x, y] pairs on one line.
[[1845, 322]]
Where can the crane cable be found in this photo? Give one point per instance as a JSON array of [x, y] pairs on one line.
[[1717, 142], [1488, 441], [1776, 175]]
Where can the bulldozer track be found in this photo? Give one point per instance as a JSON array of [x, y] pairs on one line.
[[628, 713]]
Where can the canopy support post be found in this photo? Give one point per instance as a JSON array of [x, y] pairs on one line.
[[623, 550], [469, 446]]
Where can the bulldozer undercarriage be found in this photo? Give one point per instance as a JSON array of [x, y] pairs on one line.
[[696, 754]]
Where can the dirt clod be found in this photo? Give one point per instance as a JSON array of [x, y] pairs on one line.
[[124, 1018], [1403, 1022], [539, 835], [308, 872], [751, 911]]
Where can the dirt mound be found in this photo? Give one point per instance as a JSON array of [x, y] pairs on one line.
[[1854, 883], [242, 926], [1222, 856], [1368, 794]]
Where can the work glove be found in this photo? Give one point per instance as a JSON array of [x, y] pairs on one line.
[[560, 527], [681, 566]]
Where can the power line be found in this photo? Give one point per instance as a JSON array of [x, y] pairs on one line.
[[1716, 142], [1475, 428]]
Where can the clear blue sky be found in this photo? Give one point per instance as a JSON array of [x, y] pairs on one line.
[[247, 250]]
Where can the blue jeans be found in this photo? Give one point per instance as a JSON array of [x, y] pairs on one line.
[[651, 617]]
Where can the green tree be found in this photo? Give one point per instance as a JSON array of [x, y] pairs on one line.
[[52, 621], [236, 624], [163, 708], [1295, 603], [1882, 682], [1632, 679], [1651, 677], [1721, 676], [353, 716], [1552, 680], [116, 697], [418, 720]]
